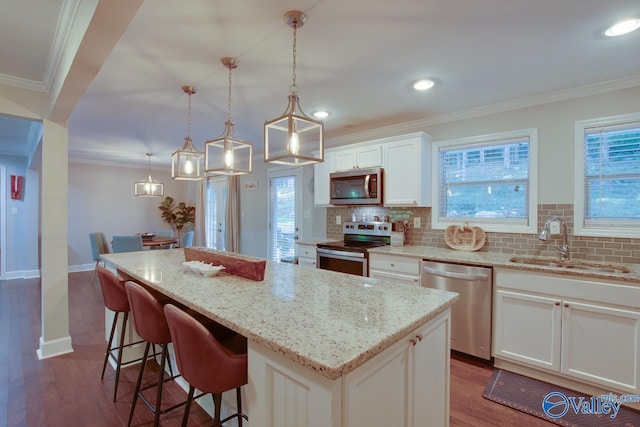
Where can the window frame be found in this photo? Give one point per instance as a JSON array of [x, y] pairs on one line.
[[502, 225], [596, 228]]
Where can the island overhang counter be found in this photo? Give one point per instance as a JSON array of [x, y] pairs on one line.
[[323, 346]]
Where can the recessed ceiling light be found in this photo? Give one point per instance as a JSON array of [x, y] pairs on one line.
[[623, 27], [321, 114], [423, 84]]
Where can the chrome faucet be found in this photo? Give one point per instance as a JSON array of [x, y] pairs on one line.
[[544, 235]]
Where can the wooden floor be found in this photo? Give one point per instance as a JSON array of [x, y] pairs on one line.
[[67, 390]]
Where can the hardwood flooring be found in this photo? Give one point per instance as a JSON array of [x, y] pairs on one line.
[[67, 390]]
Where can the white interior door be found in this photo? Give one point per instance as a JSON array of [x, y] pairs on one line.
[[285, 207], [215, 216]]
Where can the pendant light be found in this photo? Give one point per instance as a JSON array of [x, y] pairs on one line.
[[227, 154], [186, 163], [148, 187], [294, 138]]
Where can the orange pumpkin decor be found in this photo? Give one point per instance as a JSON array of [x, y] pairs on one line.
[[464, 238]]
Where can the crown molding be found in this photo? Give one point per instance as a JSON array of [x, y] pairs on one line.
[[66, 18], [485, 110], [22, 83]]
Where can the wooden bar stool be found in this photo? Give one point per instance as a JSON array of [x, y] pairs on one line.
[[115, 299], [151, 325], [206, 363]]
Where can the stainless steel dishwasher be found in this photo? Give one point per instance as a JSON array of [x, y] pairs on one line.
[[471, 314]]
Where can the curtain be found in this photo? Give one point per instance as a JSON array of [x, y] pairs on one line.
[[200, 235], [232, 215]]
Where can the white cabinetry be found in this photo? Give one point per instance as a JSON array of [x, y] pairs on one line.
[[571, 327], [405, 385], [394, 268], [366, 156], [306, 255], [321, 173], [407, 171]]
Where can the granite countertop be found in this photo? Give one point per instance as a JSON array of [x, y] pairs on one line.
[[496, 259], [328, 322]]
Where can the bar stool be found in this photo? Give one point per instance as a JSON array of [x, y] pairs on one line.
[[151, 325], [115, 299], [210, 365]]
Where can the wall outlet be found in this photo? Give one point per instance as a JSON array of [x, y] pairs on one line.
[[554, 227], [338, 219], [416, 222]]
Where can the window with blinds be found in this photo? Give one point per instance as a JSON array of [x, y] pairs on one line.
[[608, 185], [487, 181]]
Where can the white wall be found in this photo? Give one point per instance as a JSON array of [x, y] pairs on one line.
[[101, 199]]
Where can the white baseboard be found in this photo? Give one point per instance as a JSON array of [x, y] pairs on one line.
[[82, 267], [54, 347], [21, 274]]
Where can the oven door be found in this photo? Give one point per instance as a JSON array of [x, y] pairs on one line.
[[342, 261]]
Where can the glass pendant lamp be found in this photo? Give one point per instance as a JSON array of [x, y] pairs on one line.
[[294, 138], [149, 187], [186, 163], [228, 154]]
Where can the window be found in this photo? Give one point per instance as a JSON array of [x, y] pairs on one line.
[[607, 177], [488, 181], [284, 212], [215, 223]]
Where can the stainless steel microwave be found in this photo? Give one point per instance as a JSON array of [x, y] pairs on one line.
[[356, 187]]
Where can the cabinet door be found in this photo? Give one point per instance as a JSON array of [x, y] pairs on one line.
[[321, 173], [369, 157], [346, 159], [527, 329], [601, 345], [406, 174]]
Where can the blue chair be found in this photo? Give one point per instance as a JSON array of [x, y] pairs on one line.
[[186, 239], [99, 246], [126, 243]]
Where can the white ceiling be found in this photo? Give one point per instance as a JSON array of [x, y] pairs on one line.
[[356, 58]]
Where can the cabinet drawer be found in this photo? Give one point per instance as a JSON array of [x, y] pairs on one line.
[[307, 253], [397, 264]]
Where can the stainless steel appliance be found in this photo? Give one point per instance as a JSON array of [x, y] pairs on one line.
[[471, 314], [350, 255], [356, 187]]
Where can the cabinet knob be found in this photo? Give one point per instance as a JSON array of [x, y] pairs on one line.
[[392, 265], [557, 302], [413, 341], [566, 304]]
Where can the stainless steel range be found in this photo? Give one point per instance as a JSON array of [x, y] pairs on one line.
[[350, 255]]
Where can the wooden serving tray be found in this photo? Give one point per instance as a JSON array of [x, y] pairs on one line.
[[464, 237], [239, 265]]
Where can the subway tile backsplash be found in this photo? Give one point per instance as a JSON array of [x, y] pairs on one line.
[[607, 249]]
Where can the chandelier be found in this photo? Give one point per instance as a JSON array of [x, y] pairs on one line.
[[294, 138], [186, 163], [227, 154], [148, 187]]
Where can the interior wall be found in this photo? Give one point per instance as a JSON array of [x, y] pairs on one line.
[[16, 215], [101, 199]]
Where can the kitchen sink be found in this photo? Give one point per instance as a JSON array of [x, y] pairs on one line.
[[571, 264]]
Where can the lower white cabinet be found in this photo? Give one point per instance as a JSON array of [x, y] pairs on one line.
[[306, 255], [394, 268], [584, 330]]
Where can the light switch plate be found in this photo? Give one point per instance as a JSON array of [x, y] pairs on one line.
[[14, 211], [416, 222], [554, 227], [338, 219]]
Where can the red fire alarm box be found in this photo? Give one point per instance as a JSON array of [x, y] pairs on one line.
[[17, 183]]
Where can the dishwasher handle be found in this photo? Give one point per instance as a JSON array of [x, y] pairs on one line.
[[454, 275]]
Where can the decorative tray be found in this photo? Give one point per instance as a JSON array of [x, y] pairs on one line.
[[464, 237]]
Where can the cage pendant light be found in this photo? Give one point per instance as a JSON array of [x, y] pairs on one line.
[[294, 139], [149, 187], [227, 154], [186, 163]]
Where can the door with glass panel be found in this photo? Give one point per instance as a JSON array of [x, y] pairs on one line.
[[285, 205], [215, 215]]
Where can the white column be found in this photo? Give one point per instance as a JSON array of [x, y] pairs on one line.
[[55, 339]]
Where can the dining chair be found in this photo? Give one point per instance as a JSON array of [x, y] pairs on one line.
[[126, 243], [99, 246], [186, 239], [163, 233]]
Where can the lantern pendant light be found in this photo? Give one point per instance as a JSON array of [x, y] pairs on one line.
[[186, 163], [148, 187], [227, 154], [294, 139]]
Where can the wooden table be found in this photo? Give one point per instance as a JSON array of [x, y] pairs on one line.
[[159, 242]]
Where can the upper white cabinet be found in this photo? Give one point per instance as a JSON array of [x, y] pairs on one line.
[[366, 156], [407, 172], [406, 162]]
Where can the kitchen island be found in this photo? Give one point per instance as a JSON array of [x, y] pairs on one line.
[[325, 348]]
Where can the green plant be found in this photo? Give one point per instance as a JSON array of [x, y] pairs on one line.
[[177, 215]]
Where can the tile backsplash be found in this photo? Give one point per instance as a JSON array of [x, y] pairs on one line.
[[608, 249]]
